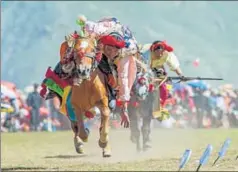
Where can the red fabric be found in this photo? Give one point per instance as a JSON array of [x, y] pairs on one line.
[[135, 104], [50, 74], [89, 115], [119, 103], [163, 94], [110, 40], [75, 35], [162, 44], [151, 87], [141, 80]]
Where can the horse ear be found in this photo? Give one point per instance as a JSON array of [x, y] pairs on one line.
[[65, 37], [63, 48], [69, 40]]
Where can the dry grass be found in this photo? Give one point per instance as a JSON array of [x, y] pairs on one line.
[[55, 151]]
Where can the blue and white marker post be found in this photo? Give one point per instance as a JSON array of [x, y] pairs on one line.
[[223, 150], [185, 158], [204, 158]]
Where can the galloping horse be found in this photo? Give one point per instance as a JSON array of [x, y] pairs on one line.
[[142, 104], [141, 107], [87, 91]]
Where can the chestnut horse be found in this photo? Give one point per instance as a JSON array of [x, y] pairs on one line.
[[87, 91]]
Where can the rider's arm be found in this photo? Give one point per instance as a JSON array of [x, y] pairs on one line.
[[173, 63], [126, 77], [178, 71]]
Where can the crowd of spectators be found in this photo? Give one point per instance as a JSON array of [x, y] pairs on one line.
[[189, 106]]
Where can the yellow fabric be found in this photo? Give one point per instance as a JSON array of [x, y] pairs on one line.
[[169, 87], [161, 114], [168, 57], [62, 108], [158, 63], [7, 110]]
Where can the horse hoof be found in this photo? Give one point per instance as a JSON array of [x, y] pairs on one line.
[[79, 149], [146, 147], [101, 144], [78, 145], [106, 152]]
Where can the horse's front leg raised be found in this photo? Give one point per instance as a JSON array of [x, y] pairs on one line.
[[104, 130]]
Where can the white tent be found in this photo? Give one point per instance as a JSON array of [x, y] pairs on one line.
[[6, 92]]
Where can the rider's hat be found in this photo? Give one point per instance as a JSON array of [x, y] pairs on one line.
[[113, 39], [161, 45]]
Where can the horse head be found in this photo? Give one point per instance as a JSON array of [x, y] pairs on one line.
[[78, 55], [142, 84]]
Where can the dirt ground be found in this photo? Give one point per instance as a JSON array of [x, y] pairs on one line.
[[41, 151]]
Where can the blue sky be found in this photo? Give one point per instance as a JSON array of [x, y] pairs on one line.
[[31, 33]]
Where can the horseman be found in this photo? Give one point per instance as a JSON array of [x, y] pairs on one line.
[[115, 57], [66, 68], [119, 50], [161, 54]]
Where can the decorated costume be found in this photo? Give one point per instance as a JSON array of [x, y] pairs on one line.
[[125, 62], [157, 65]]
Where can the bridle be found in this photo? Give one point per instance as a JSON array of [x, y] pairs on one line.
[[72, 54]]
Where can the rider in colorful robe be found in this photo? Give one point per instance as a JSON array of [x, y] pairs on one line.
[[122, 63], [125, 71], [161, 54]]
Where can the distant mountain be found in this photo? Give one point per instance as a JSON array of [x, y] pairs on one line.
[[32, 33]]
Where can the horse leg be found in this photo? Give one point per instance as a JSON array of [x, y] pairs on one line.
[[134, 128], [82, 133], [146, 130], [147, 114], [104, 130], [78, 143]]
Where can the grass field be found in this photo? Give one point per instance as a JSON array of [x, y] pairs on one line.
[[55, 151]]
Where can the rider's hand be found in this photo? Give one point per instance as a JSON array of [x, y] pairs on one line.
[[125, 121]]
